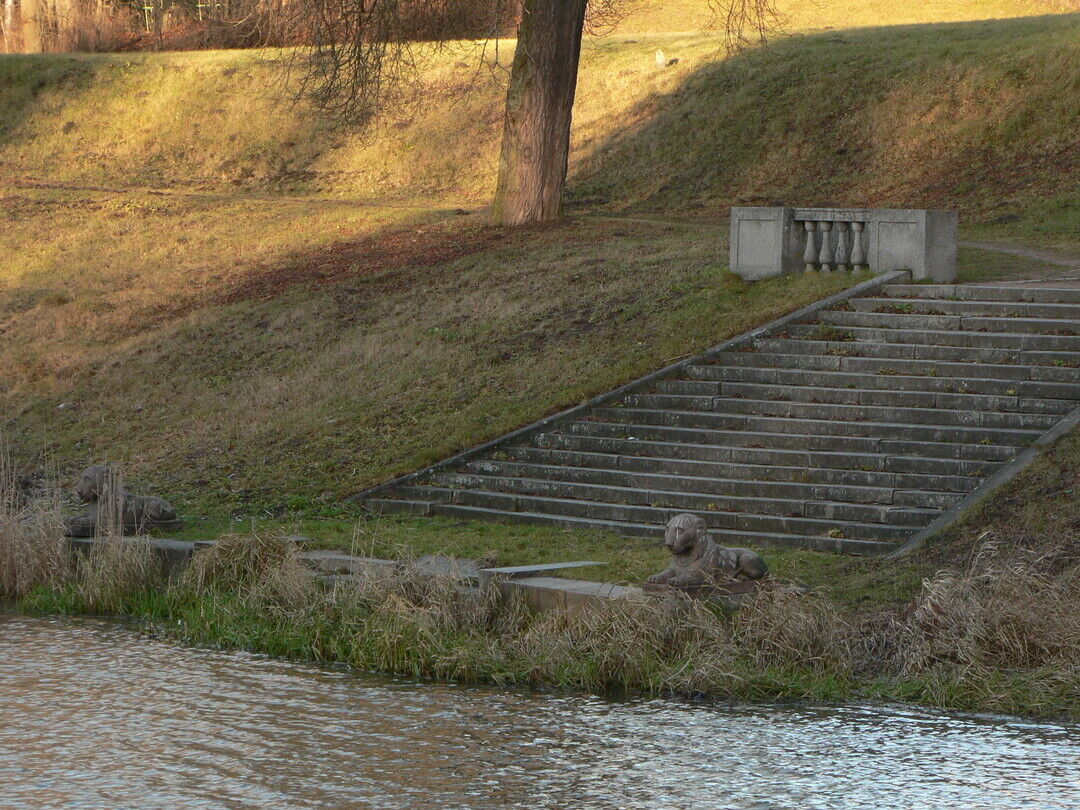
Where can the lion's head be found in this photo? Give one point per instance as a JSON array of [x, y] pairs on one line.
[[683, 531], [93, 482]]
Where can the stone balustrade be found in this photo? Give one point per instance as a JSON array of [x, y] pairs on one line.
[[768, 242]]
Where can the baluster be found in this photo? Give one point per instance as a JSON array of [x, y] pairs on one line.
[[810, 254], [841, 246], [826, 246], [858, 251]]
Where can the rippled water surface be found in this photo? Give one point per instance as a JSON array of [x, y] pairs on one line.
[[94, 715]]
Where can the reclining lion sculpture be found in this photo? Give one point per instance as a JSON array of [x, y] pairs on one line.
[[699, 560], [112, 507]]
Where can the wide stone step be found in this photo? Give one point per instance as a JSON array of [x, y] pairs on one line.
[[1027, 389], [916, 351], [797, 441], [863, 396], [975, 292], [898, 366], [938, 337], [821, 426], [814, 485], [802, 505], [814, 519], [759, 456], [845, 412], [542, 462], [972, 323], [628, 528], [938, 306]]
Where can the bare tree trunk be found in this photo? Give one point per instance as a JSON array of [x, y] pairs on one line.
[[539, 105], [33, 21], [7, 25]]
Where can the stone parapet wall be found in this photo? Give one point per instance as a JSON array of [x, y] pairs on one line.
[[767, 242]]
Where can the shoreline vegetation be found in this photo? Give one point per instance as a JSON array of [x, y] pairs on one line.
[[992, 628]]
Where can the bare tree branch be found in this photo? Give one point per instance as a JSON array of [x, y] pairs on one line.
[[745, 23]]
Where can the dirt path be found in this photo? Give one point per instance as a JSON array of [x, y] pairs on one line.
[[1035, 254], [359, 202]]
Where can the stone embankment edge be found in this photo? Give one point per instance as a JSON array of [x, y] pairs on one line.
[[779, 324], [999, 479], [540, 593]]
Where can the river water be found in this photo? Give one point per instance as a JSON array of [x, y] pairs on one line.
[[93, 715]]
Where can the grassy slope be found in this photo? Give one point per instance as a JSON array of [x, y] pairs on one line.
[[801, 16], [373, 338], [975, 115]]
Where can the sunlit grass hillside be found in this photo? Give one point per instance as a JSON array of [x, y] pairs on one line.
[[979, 116], [803, 16]]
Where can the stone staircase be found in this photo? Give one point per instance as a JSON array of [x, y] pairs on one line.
[[850, 430]]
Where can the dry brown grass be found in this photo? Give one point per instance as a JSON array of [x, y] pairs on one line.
[[32, 551], [1007, 610]]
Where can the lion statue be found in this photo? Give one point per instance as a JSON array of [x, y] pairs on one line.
[[112, 506], [698, 560]]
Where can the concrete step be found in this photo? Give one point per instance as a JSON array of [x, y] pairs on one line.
[[898, 366], [636, 451], [628, 528], [938, 306], [803, 409], [675, 451], [961, 323], [848, 486], [860, 396], [1027, 389], [823, 426], [975, 292], [938, 337], [915, 351], [972, 323], [667, 504], [802, 504], [549, 463], [797, 441]]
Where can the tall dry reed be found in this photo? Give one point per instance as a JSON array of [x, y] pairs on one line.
[[33, 551]]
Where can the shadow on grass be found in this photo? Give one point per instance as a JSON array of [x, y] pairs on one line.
[[24, 77]]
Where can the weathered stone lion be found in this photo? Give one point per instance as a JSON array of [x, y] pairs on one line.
[[111, 506], [699, 560]]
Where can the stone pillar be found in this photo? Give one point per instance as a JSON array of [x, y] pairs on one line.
[[762, 242], [826, 246], [841, 246], [810, 253], [858, 250]]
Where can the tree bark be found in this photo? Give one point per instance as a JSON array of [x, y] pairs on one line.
[[539, 105], [31, 23]]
